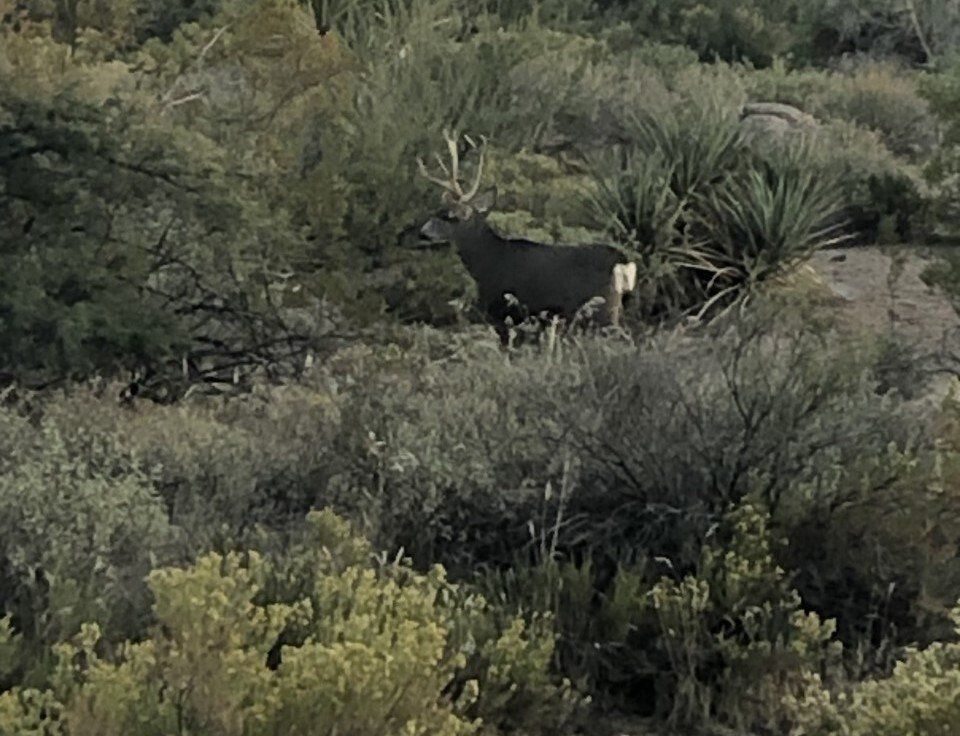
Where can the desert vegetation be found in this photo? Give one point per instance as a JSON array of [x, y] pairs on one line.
[[265, 469]]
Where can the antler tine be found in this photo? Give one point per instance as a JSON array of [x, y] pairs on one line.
[[475, 187], [425, 173], [451, 139], [452, 183], [443, 166]]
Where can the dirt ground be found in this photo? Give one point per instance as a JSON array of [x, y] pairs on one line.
[[880, 289]]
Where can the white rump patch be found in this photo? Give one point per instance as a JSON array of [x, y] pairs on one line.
[[624, 277]]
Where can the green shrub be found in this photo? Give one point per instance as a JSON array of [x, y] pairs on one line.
[[876, 131], [881, 97], [600, 619], [884, 99], [882, 197], [77, 536], [634, 202], [926, 31], [757, 30], [130, 241], [883, 194], [708, 219], [643, 194], [700, 144], [378, 649], [444, 463], [921, 697], [722, 644], [436, 445], [734, 633], [219, 467], [943, 171]]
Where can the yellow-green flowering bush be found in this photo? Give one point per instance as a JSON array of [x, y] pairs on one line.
[[374, 651], [920, 698], [735, 634]]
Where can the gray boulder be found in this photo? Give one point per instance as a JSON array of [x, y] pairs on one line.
[[767, 121]]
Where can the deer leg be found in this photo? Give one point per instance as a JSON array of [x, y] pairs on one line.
[[503, 332]]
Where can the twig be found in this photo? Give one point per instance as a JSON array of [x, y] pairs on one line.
[[918, 30], [167, 98]]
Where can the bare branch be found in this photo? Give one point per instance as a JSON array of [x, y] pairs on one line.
[[165, 100], [919, 32], [185, 99]]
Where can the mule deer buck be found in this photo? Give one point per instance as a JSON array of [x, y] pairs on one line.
[[514, 277]]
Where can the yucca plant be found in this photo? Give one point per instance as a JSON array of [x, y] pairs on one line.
[[632, 199], [643, 195], [766, 218], [702, 144]]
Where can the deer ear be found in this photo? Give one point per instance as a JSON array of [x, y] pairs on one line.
[[485, 201]]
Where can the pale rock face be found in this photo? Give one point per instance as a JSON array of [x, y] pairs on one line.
[[773, 120]]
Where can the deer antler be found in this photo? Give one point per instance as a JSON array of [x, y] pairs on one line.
[[451, 182], [475, 187], [451, 139]]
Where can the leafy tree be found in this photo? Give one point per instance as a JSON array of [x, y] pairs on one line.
[[126, 241], [756, 30]]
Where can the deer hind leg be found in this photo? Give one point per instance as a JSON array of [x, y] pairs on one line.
[[623, 282], [503, 332]]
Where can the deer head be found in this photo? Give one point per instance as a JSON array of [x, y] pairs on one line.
[[460, 205]]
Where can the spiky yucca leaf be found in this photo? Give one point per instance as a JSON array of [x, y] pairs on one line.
[[701, 144], [766, 219], [632, 200]]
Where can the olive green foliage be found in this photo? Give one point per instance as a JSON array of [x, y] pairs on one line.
[[758, 30], [377, 647], [943, 169], [736, 525], [920, 30], [881, 96], [943, 273], [723, 643], [601, 640], [294, 193], [612, 454], [79, 533], [921, 696], [810, 30], [905, 572], [129, 240], [876, 133], [766, 220], [735, 633], [65, 304], [944, 95], [708, 217]]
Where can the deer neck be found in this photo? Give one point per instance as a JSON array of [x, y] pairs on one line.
[[474, 241]]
